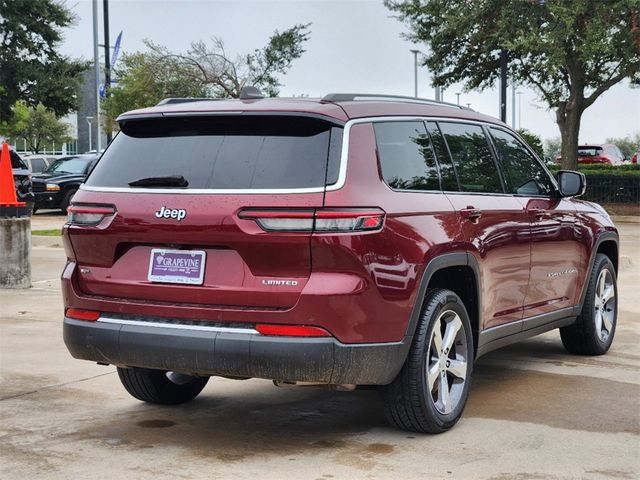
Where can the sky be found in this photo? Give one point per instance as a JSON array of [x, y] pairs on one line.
[[355, 46]]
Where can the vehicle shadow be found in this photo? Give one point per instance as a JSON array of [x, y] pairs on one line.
[[231, 420]]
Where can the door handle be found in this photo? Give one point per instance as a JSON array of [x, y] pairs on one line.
[[471, 213]]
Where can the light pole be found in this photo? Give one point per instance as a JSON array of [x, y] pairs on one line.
[[89, 120], [513, 105], [415, 72], [519, 109], [468, 105], [96, 64], [458, 95]]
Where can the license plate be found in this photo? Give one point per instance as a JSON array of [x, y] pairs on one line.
[[177, 266]]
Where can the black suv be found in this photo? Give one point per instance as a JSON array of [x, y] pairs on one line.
[[56, 186]]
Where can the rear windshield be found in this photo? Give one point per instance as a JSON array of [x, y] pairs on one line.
[[16, 161], [212, 152], [589, 151]]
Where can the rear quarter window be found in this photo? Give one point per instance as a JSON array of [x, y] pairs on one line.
[[407, 159], [213, 152]]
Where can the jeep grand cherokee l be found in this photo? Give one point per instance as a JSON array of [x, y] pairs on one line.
[[349, 241]]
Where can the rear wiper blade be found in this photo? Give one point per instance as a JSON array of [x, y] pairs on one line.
[[166, 181]]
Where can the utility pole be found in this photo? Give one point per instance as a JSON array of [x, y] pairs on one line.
[[107, 58], [96, 63], [415, 72], [503, 85]]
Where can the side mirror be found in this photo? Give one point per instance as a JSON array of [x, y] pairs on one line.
[[572, 184]]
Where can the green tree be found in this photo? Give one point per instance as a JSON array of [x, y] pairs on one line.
[[569, 51], [37, 126], [31, 69], [532, 140], [144, 78], [552, 147]]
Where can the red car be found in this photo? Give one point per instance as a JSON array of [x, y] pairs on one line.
[[347, 241], [608, 154]]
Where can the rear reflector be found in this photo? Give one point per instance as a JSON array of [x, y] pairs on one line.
[[78, 314], [88, 214], [292, 330], [320, 220]]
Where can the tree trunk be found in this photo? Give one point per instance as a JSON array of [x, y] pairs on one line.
[[568, 118]]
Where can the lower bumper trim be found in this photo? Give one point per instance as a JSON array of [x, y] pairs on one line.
[[233, 352]]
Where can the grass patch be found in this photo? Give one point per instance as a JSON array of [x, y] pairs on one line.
[[54, 232]]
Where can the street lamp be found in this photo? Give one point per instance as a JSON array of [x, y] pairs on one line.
[[89, 120], [415, 72], [458, 95]]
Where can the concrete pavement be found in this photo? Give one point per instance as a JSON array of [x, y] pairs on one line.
[[534, 411]]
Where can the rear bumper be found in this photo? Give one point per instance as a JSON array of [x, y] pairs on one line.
[[223, 351]]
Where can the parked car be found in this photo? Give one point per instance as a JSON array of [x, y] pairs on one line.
[[608, 154], [56, 186], [22, 180], [348, 241], [38, 163]]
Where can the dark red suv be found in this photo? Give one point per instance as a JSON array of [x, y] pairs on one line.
[[349, 241]]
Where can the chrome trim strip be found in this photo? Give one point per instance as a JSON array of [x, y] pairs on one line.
[[178, 326], [342, 175]]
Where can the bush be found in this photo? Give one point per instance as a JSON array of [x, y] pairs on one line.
[[598, 170]]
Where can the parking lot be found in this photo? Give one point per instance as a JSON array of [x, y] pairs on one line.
[[534, 411]]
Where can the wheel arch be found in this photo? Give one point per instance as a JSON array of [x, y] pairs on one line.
[[458, 272], [606, 243]]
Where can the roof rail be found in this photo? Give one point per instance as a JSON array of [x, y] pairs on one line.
[[353, 97], [169, 101]]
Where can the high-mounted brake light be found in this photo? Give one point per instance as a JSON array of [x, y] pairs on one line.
[[88, 214], [79, 314], [292, 330], [319, 220]]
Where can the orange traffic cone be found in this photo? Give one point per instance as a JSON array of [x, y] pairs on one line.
[[8, 196]]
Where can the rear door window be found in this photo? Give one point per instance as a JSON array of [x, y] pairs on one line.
[[214, 152], [472, 158], [448, 176], [407, 159]]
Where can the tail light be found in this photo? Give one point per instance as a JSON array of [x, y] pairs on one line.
[[88, 214], [79, 314], [318, 220], [292, 330]]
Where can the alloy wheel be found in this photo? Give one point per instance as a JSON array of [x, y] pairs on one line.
[[447, 362], [604, 305]]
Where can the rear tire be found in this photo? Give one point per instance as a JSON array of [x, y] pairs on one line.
[[430, 392], [593, 331], [158, 386]]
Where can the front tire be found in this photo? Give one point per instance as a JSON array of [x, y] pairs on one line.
[[158, 386], [430, 392], [66, 201], [593, 331]]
